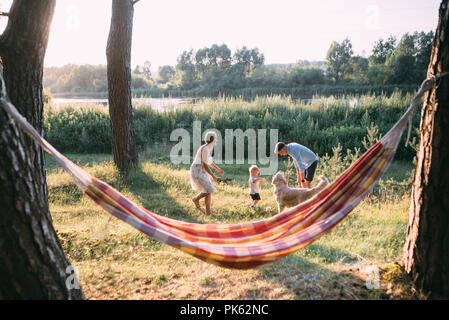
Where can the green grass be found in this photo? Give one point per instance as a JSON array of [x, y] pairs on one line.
[[116, 261]]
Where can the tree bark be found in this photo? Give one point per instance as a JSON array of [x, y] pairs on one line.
[[32, 262], [118, 55], [426, 251]]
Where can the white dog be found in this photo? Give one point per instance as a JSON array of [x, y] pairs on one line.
[[290, 197]]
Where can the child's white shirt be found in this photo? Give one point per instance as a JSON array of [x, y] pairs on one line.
[[253, 185]]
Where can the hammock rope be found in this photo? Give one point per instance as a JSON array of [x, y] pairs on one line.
[[248, 244]]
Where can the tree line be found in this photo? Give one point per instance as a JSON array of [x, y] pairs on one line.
[[215, 69], [390, 62]]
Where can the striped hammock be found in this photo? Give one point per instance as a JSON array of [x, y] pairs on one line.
[[249, 244]]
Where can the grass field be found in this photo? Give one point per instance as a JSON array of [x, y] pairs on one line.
[[116, 261]]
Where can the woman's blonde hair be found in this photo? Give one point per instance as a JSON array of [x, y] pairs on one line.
[[210, 136]]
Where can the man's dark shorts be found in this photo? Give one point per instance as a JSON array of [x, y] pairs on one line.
[[255, 196], [310, 171]]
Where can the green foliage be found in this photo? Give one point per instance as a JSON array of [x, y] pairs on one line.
[[299, 92], [89, 79], [404, 63], [379, 73], [333, 165], [321, 125], [144, 70], [216, 71], [165, 73], [46, 96], [139, 82], [382, 49], [246, 60], [339, 60], [301, 76], [83, 129], [359, 67], [73, 78]]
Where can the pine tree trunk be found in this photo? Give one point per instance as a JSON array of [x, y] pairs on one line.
[[426, 251], [118, 55], [32, 262]]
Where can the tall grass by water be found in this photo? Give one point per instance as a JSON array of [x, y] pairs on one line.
[[321, 125], [298, 92]]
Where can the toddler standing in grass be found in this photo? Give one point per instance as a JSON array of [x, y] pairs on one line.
[[254, 184]]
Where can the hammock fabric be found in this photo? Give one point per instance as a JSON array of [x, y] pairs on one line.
[[250, 244]]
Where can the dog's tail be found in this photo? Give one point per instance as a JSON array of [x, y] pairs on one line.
[[324, 182]]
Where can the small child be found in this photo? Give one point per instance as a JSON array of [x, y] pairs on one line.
[[254, 184]]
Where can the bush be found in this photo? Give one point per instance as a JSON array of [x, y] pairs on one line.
[[322, 125], [79, 130]]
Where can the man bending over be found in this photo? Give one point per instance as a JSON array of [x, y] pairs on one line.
[[304, 159]]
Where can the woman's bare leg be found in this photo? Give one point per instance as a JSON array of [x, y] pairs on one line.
[[197, 198], [207, 201]]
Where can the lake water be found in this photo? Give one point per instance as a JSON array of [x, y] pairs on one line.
[[156, 103]]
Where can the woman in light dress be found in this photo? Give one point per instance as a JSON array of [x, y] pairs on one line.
[[200, 172]]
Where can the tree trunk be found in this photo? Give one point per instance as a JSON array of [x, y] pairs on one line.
[[426, 251], [118, 55], [32, 262]]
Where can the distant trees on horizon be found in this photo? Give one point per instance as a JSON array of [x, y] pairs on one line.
[[216, 68], [390, 62]]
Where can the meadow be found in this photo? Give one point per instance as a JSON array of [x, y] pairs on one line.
[[356, 260]]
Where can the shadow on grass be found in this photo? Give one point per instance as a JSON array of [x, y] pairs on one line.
[[142, 185], [78, 159], [154, 197], [328, 254], [309, 280], [64, 191]]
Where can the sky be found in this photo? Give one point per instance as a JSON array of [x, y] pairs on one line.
[[284, 30]]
